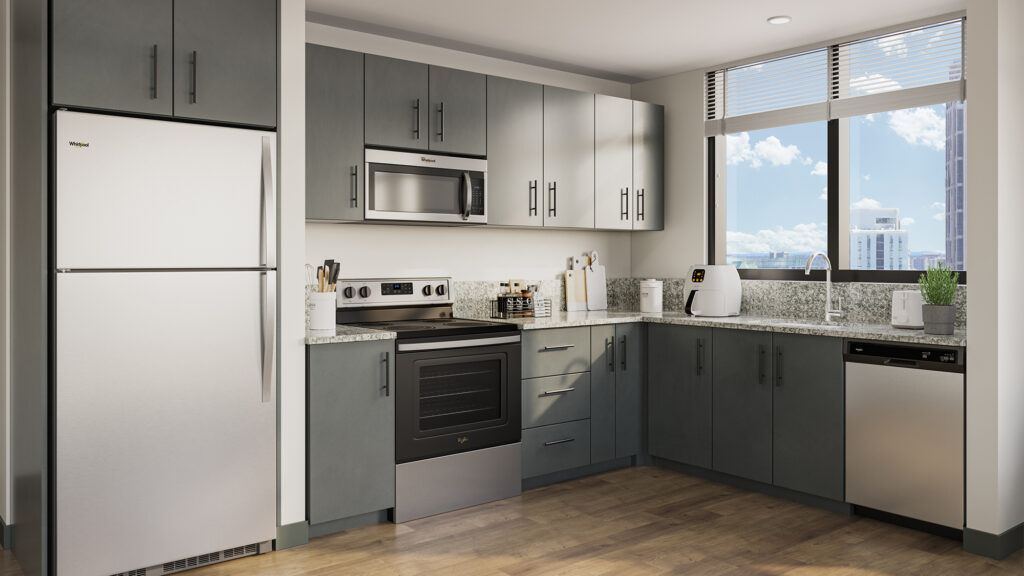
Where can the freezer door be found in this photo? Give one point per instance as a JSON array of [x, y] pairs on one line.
[[165, 446], [137, 193]]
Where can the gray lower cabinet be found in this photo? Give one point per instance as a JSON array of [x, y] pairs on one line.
[[630, 389], [397, 102], [614, 205], [555, 399], [458, 112], [679, 393], [351, 429], [225, 61], [557, 447], [602, 393], [808, 401], [648, 166], [742, 404], [555, 352], [113, 54], [515, 152], [334, 134], [568, 158]]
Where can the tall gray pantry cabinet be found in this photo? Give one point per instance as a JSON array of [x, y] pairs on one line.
[[168, 57], [351, 400]]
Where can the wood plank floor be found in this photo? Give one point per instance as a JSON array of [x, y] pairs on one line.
[[628, 522]]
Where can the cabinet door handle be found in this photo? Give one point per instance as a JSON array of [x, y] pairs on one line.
[[386, 360], [558, 347], [559, 391], [156, 75], [195, 75], [531, 198], [610, 345], [641, 204], [625, 353], [762, 374], [700, 356], [440, 111], [778, 366], [624, 204], [354, 177], [562, 441], [553, 199], [416, 126]]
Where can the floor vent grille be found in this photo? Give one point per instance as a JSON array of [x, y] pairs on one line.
[[196, 561]]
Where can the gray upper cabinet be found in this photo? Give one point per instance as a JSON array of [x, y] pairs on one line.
[[113, 54], [808, 415], [351, 429], [334, 134], [458, 112], [648, 166], [515, 152], [225, 61], [614, 205], [742, 415], [568, 158], [630, 376], [397, 103], [679, 391]]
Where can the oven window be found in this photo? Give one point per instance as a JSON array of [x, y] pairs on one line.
[[460, 394]]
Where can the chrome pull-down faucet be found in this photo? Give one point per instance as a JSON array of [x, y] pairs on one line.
[[829, 312]]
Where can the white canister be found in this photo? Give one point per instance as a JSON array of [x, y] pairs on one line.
[[323, 308], [650, 296]]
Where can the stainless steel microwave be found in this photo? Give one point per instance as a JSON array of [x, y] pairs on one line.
[[425, 187]]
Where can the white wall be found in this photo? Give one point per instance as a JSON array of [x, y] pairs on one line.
[[5, 226], [995, 387], [683, 242], [465, 253], [292, 185]]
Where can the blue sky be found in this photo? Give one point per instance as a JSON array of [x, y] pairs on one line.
[[776, 180]]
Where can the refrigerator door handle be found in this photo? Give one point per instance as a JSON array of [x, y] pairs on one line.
[[268, 205], [268, 327]]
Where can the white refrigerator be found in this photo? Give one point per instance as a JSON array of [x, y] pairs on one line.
[[164, 394]]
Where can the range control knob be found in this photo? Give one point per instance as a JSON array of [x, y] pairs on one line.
[[348, 292], [364, 292], [427, 290], [440, 289]]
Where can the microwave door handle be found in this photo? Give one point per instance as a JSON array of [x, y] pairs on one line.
[[467, 191]]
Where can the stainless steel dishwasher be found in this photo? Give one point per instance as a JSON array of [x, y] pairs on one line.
[[905, 430]]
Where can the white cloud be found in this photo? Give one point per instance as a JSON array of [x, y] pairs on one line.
[[894, 45], [907, 221], [873, 84], [869, 203], [807, 161], [869, 118], [820, 169], [800, 238], [771, 150], [920, 126], [867, 177], [941, 217], [824, 194], [939, 205]]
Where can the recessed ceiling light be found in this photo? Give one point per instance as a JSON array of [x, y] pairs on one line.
[[779, 19]]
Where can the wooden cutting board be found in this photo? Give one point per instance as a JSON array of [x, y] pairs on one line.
[[575, 291], [597, 288]]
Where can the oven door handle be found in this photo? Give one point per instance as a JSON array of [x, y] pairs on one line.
[[451, 344]]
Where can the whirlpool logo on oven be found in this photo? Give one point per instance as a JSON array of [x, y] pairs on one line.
[[463, 439], [77, 144]]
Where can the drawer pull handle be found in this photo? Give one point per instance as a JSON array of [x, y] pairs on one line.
[[559, 347], [560, 391], [562, 441]]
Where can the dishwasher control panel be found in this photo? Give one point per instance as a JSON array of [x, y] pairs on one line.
[[908, 355]]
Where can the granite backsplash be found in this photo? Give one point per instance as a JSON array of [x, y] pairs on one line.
[[862, 302]]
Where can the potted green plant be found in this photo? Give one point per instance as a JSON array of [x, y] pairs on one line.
[[938, 290]]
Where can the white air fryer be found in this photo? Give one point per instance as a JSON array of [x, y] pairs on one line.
[[713, 291]]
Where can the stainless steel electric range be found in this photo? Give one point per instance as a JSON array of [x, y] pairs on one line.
[[458, 408]]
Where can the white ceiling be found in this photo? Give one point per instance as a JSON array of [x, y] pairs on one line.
[[626, 40]]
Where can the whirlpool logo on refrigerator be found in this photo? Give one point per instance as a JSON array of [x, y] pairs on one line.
[[77, 144]]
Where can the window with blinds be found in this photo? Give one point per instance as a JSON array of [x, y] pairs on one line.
[[914, 67]]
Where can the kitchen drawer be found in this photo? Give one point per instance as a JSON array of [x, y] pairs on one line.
[[556, 399], [556, 351], [557, 447]]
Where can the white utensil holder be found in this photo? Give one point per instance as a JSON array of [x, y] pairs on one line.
[[323, 308]]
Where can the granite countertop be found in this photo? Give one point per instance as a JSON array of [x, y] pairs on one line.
[[763, 323], [343, 333]]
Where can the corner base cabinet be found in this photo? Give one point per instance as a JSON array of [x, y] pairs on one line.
[[351, 429]]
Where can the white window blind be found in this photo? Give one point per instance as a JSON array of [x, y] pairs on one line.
[[914, 67]]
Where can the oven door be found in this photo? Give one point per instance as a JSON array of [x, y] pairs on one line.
[[451, 400], [425, 188]]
